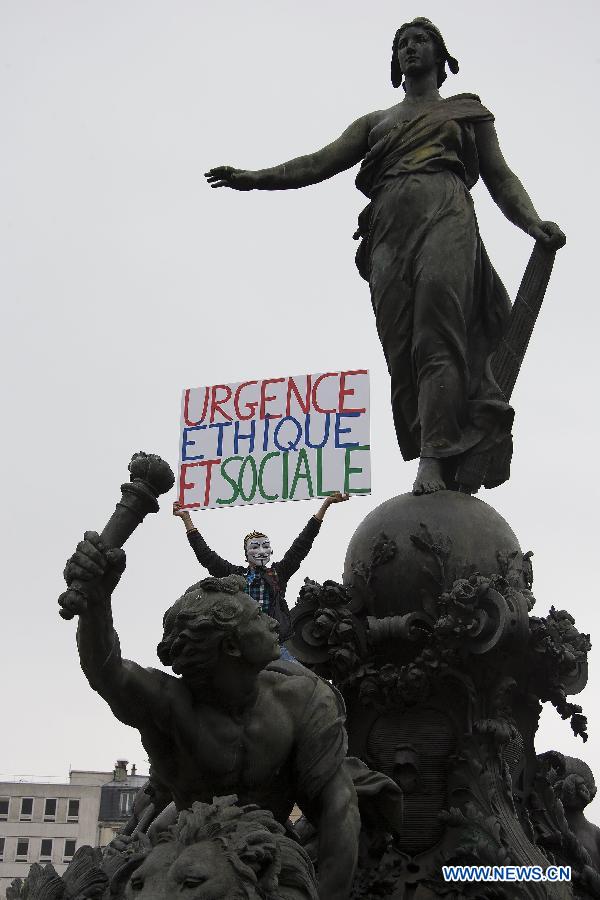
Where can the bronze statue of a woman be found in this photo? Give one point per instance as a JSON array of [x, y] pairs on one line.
[[440, 308]]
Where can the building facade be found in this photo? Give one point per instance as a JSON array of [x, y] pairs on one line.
[[47, 822], [116, 801]]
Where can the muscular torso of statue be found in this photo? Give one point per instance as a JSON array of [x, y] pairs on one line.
[[201, 751]]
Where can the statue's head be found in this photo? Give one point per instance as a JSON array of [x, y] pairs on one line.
[[257, 549], [216, 618], [577, 788], [225, 852], [417, 45]]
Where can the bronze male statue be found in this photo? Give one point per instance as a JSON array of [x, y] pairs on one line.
[[439, 306], [234, 721]]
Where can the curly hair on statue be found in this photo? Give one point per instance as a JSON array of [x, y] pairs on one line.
[[577, 787], [194, 627]]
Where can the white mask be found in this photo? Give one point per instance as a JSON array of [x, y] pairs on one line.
[[258, 552]]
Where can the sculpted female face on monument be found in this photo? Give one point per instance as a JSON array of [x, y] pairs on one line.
[[418, 51]]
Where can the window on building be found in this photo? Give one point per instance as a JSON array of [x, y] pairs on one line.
[[73, 811], [1, 849], [22, 850], [26, 809], [69, 853], [126, 803], [50, 810], [4, 802], [46, 849]]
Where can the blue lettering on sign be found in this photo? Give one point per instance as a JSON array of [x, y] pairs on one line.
[[291, 445], [185, 443], [220, 426], [339, 430], [237, 437], [307, 434]]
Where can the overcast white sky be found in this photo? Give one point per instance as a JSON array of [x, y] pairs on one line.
[[125, 278]]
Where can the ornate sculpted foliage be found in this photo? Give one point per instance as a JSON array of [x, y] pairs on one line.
[[559, 655], [470, 657], [82, 880]]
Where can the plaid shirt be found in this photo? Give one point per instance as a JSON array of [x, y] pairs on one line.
[[258, 589]]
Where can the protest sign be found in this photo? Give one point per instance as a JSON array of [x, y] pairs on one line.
[[275, 439]]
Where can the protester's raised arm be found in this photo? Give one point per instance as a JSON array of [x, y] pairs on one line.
[[184, 515], [336, 497]]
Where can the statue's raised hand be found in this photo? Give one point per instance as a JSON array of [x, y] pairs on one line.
[[93, 571], [227, 176], [549, 234]]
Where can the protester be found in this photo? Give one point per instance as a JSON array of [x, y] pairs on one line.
[[265, 583]]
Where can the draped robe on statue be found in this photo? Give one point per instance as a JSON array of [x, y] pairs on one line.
[[439, 305]]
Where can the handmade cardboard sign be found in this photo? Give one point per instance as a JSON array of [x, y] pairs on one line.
[[290, 438]]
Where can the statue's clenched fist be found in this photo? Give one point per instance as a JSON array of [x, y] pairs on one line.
[[93, 571], [549, 234]]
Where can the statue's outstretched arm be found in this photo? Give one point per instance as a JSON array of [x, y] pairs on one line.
[[130, 690], [343, 153], [508, 192]]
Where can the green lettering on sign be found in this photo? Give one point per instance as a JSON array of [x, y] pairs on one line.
[[298, 474], [320, 491], [234, 484], [349, 470], [261, 470]]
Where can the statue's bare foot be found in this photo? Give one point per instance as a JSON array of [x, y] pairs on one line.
[[429, 476]]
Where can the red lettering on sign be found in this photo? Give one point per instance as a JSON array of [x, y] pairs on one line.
[[348, 392], [190, 485], [303, 403], [236, 401], [314, 391], [215, 405], [268, 398], [186, 408]]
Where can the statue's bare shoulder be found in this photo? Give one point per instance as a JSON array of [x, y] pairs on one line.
[[300, 690], [381, 121]]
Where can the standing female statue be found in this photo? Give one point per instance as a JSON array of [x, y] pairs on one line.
[[440, 308]]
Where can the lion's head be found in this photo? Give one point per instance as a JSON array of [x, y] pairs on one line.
[[221, 851]]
